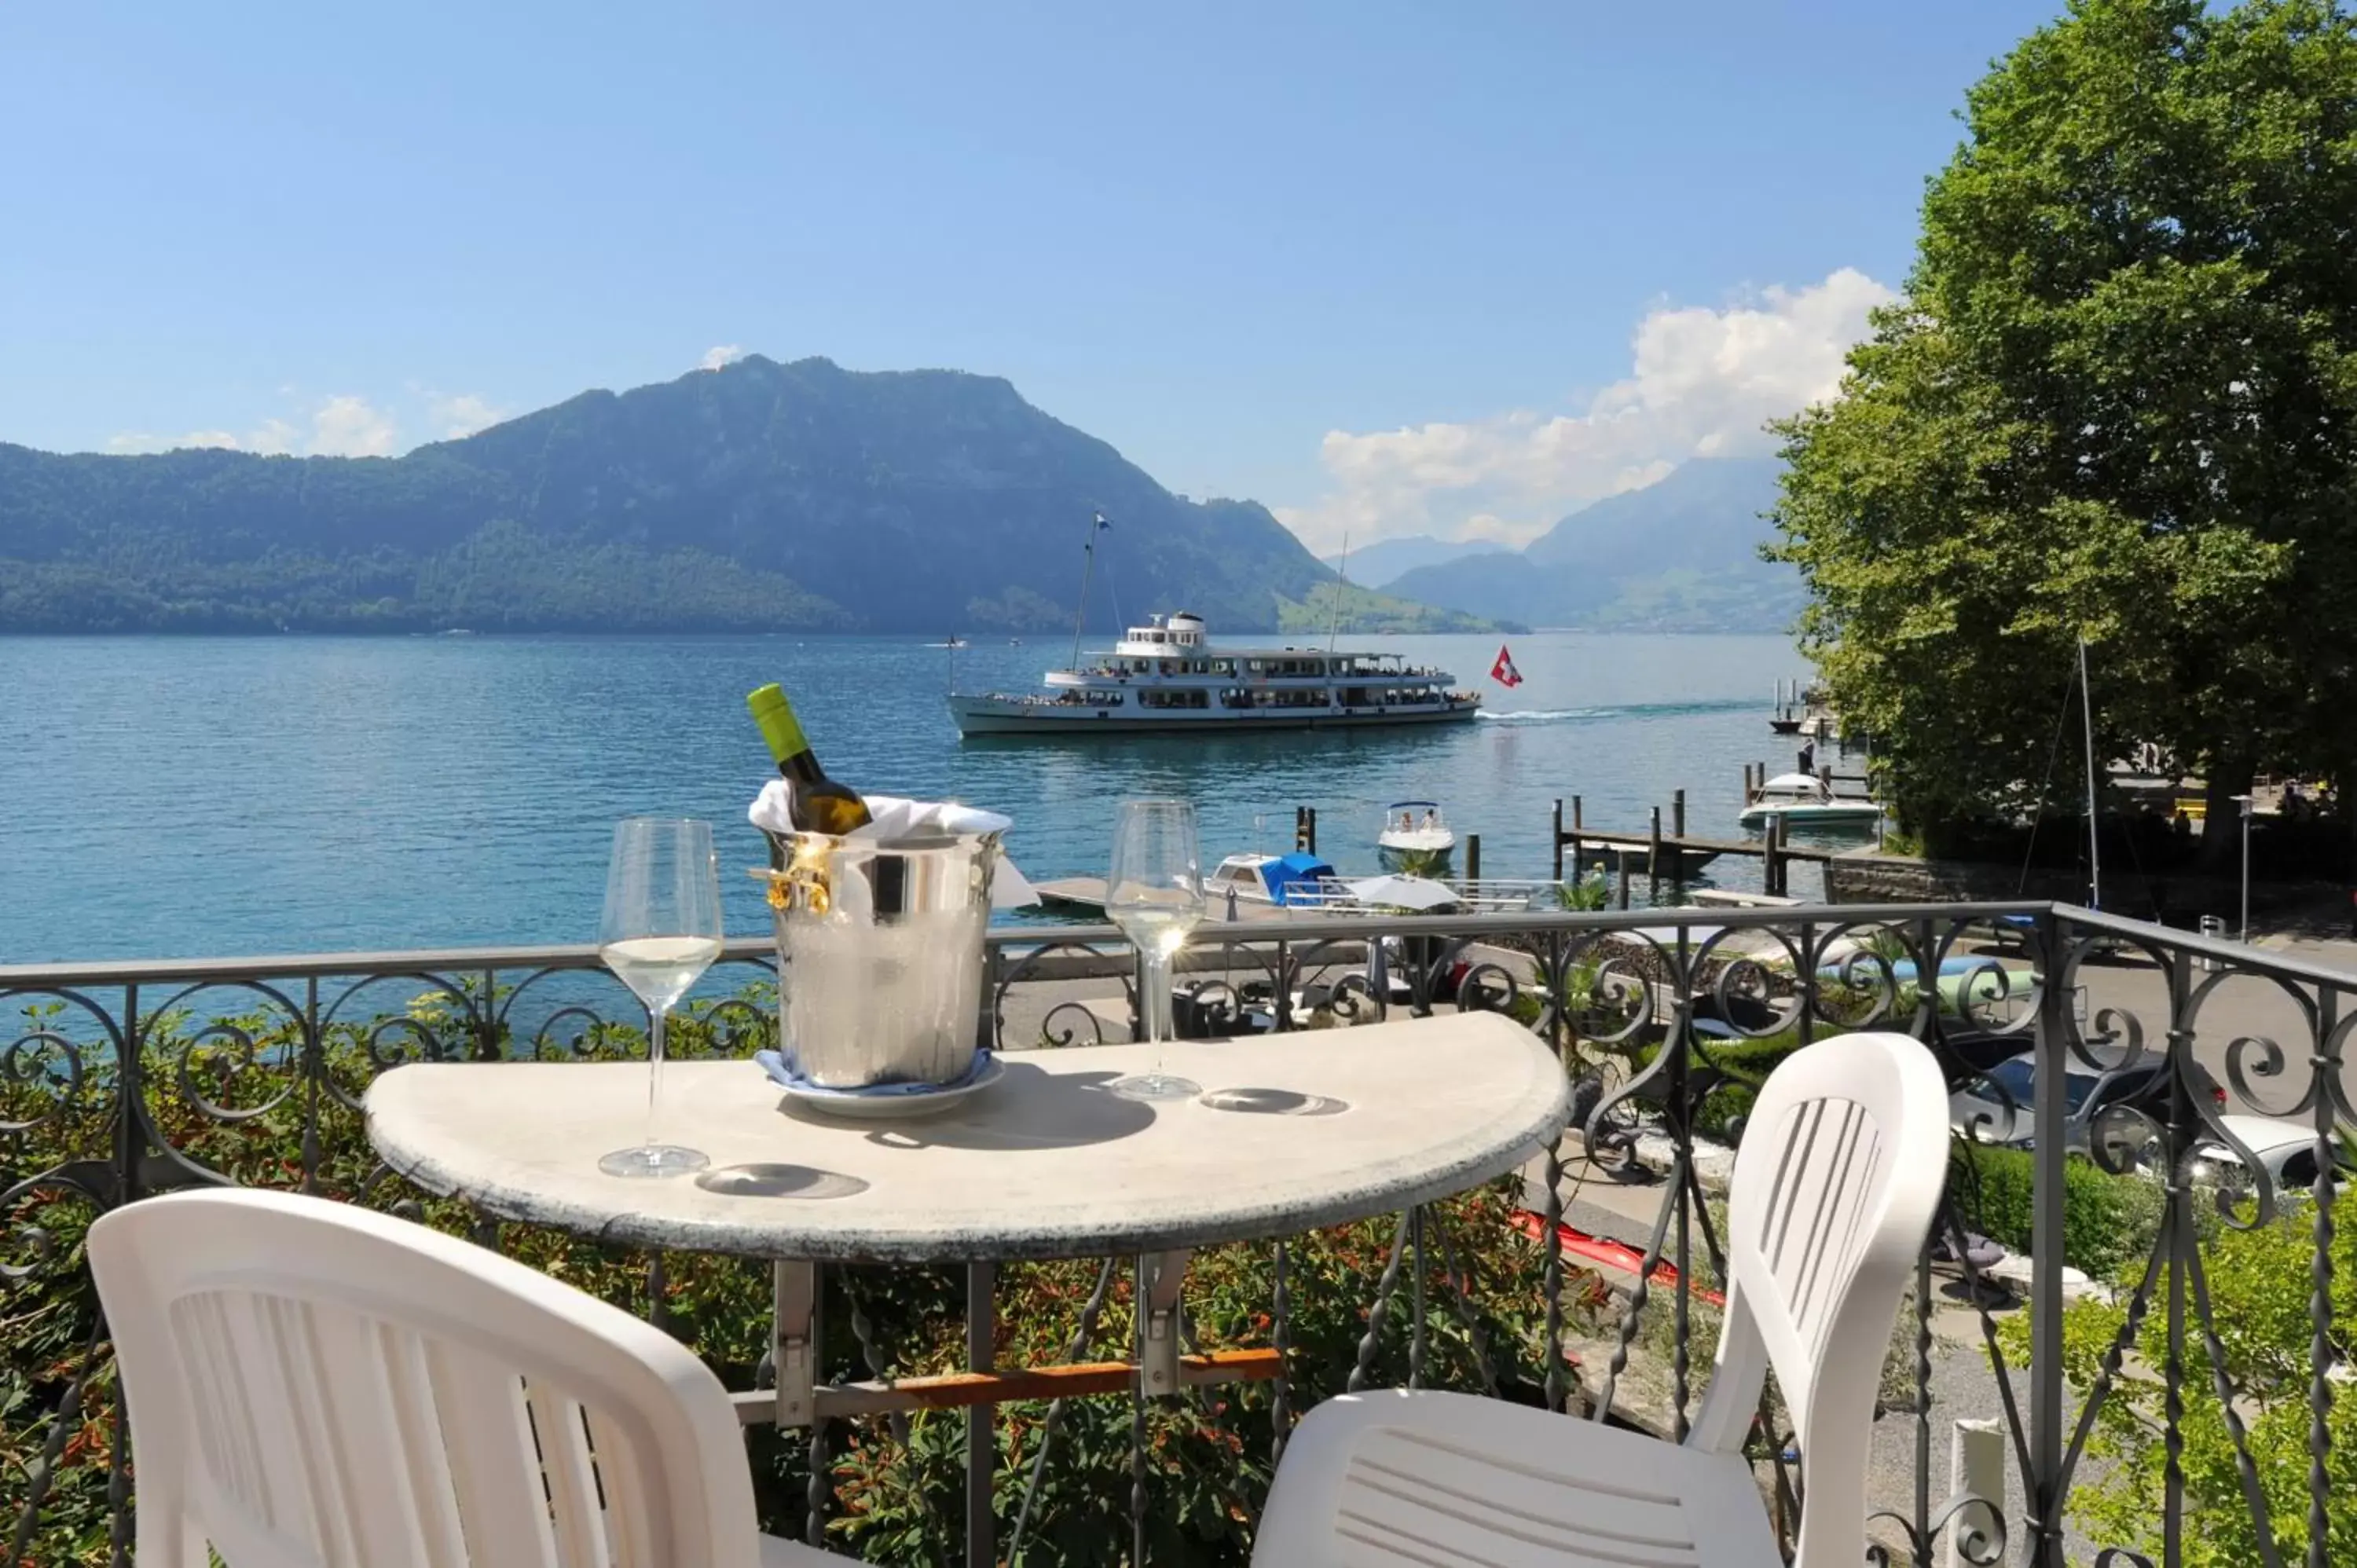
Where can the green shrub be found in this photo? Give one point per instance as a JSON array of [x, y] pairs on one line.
[[2108, 1221]]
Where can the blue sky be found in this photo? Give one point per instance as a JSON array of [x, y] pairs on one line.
[[1388, 267]]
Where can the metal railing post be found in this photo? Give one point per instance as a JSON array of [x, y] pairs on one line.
[[981, 1420], [2044, 1549]]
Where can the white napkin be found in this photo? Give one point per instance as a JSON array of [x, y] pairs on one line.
[[772, 811]]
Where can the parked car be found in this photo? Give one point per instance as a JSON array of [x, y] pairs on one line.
[[2285, 1150], [1999, 1104]]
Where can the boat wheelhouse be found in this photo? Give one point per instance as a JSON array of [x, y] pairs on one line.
[[1168, 676]]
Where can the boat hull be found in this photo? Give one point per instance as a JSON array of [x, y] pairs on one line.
[[984, 716], [1844, 816]]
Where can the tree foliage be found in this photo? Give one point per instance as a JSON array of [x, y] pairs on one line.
[[2117, 402]]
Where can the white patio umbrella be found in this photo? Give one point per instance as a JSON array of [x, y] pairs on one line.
[[1420, 893]]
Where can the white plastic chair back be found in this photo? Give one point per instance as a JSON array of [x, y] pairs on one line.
[[312, 1385], [1839, 1173]]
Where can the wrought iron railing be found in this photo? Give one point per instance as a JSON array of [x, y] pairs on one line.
[[2187, 1409]]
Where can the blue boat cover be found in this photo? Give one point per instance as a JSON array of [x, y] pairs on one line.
[[1283, 873]]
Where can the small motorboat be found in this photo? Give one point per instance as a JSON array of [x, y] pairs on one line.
[[1415, 838], [1802, 800], [1284, 880]]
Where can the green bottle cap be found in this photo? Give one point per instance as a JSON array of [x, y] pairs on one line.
[[775, 716]]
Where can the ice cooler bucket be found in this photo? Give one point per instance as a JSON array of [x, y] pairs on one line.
[[880, 955]]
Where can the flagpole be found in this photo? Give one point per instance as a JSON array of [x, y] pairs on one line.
[[1089, 559], [1341, 586]]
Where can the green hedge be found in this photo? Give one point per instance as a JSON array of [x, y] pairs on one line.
[[2108, 1221]]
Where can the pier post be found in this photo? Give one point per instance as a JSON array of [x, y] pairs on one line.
[[1653, 855], [1677, 813], [1558, 838], [1773, 855], [1313, 830], [1622, 856], [1578, 818], [1473, 857]]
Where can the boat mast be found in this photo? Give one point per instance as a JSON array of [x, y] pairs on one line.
[[2094, 860], [1089, 561]]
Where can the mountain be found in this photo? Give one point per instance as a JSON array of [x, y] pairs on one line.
[[1382, 564], [1681, 555], [759, 496]]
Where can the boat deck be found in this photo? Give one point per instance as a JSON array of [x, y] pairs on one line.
[[1086, 895]]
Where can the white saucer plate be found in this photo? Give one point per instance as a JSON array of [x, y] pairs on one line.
[[890, 1102]]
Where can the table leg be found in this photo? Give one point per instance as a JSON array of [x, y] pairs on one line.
[[1159, 1276], [794, 1306], [982, 1419]]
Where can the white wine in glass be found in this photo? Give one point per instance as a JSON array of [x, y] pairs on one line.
[[661, 931], [1154, 892]]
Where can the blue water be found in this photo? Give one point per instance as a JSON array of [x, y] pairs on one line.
[[171, 797]]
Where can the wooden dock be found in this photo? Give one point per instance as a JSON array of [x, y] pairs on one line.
[[1675, 854]]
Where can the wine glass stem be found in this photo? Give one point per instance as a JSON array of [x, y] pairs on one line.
[[1155, 1003], [654, 1069]]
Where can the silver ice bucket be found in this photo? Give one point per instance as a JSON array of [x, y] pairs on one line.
[[880, 955]]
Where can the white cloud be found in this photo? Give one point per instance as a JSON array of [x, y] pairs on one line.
[[726, 353], [346, 425], [143, 441], [351, 426], [462, 414], [1701, 382]]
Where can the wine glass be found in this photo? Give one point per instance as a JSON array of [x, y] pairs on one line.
[[661, 931], [1155, 894]]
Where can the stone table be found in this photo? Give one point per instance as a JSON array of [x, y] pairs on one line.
[[1325, 1127], [1043, 1164]]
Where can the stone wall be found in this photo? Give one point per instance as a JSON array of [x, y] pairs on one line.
[[2177, 898]]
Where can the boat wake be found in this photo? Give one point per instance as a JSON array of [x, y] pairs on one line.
[[1624, 710]]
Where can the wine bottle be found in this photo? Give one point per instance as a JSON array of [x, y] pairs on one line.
[[820, 804]]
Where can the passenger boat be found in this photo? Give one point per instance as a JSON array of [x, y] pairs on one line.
[[1415, 838], [1168, 677]]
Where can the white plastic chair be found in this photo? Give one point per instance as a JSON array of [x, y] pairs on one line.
[[1836, 1183], [312, 1385]]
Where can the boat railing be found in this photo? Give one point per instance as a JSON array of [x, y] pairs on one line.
[[1483, 896]]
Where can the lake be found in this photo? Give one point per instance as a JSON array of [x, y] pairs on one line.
[[187, 797]]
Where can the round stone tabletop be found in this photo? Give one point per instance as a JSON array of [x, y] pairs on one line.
[[1347, 1124]]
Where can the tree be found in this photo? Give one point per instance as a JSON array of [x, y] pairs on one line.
[[2117, 402]]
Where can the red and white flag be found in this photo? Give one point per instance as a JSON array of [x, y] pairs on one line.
[[1503, 672]]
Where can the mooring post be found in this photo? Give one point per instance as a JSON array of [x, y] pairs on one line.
[[1578, 817], [1775, 854], [1473, 857], [1301, 830], [1558, 837], [1653, 854], [1677, 813], [1313, 830], [1622, 852]]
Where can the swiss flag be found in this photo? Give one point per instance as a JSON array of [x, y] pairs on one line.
[[1503, 672]]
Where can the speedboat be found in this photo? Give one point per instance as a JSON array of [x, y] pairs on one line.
[[1284, 880], [1415, 838], [1802, 800]]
